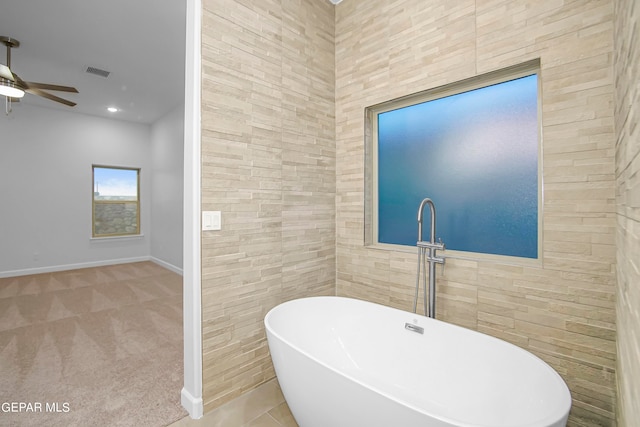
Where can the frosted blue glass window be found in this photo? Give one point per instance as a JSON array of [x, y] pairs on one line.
[[475, 154]]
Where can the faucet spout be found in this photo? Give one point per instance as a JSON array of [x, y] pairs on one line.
[[432, 208]]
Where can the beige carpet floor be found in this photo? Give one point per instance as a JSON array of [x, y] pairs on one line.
[[92, 347]]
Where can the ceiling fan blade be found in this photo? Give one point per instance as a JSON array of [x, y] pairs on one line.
[[44, 94], [21, 83], [47, 86], [6, 73]]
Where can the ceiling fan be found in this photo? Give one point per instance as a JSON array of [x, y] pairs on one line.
[[12, 86]]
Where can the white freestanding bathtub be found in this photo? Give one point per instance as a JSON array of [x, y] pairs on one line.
[[343, 362]]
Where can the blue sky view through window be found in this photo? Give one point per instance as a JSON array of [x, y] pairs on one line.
[[475, 154], [112, 182]]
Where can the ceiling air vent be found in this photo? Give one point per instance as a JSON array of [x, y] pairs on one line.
[[98, 72]]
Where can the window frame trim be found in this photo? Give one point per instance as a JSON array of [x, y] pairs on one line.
[[371, 238], [138, 233]]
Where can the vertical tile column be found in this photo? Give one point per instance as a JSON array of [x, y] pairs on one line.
[[268, 164], [627, 105]]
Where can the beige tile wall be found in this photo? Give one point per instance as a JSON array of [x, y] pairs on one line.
[[627, 103], [268, 163], [564, 310]]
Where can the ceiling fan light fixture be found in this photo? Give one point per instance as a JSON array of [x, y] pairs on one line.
[[9, 89]]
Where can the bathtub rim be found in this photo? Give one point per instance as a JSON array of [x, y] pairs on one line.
[[549, 420]]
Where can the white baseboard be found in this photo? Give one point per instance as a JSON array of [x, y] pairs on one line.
[[53, 268], [166, 265], [193, 405]]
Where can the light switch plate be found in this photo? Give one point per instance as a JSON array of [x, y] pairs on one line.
[[211, 220]]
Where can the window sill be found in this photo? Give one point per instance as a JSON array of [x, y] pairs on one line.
[[109, 238]]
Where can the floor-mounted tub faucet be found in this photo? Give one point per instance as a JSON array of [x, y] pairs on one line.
[[427, 253]]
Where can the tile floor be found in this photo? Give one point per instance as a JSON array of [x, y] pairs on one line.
[[262, 407]]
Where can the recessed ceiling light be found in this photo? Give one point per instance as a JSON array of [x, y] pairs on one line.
[[112, 109]]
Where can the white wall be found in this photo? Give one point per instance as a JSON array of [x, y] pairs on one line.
[[167, 152], [46, 186]]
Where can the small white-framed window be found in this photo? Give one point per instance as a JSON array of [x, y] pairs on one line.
[[116, 201], [474, 148]]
